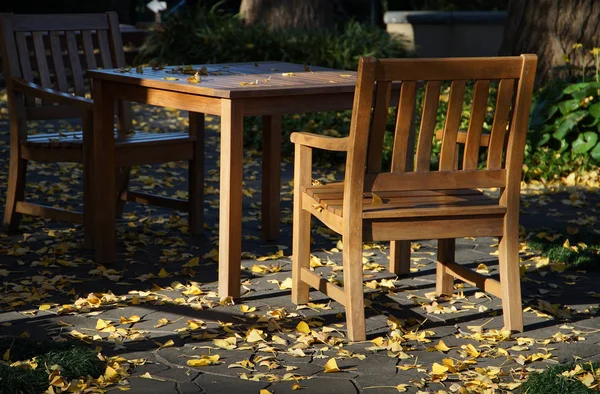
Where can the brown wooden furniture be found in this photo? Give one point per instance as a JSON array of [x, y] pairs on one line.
[[230, 91], [371, 204], [44, 58]]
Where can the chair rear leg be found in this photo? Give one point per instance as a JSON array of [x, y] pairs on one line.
[[122, 176], [510, 281], [444, 282], [353, 288], [400, 257], [196, 176], [15, 191]]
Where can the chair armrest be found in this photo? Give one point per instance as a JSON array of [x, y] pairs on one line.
[[320, 141], [36, 90]]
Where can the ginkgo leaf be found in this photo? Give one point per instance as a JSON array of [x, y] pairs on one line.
[[130, 319], [331, 366], [169, 343], [255, 335], [438, 369], [148, 376], [204, 361], [227, 343], [247, 309], [376, 200], [45, 307], [303, 327]]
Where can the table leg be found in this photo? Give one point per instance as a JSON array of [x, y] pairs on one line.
[[230, 200], [271, 178], [104, 191]]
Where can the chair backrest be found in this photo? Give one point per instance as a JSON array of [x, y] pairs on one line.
[[55, 50], [509, 79]]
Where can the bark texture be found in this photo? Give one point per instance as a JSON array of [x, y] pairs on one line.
[[550, 28], [301, 14]]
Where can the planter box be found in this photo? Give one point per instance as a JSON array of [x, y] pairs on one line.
[[446, 34]]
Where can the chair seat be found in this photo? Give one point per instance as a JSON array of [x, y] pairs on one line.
[[397, 204], [74, 139]]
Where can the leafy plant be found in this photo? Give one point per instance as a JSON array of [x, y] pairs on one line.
[[566, 116]]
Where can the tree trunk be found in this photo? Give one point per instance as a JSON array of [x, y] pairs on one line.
[[300, 14], [550, 28]]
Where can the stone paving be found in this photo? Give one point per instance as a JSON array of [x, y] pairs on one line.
[[166, 276]]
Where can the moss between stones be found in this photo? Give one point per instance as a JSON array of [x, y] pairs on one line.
[[551, 382], [75, 360]]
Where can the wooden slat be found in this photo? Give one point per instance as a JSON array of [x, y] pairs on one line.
[[48, 22], [57, 59], [49, 212], [40, 56], [435, 180], [323, 285], [378, 125], [448, 69], [426, 228], [76, 71], [428, 120], [88, 49], [116, 39], [391, 201], [478, 110], [453, 115], [403, 128], [26, 70], [501, 118], [105, 55]]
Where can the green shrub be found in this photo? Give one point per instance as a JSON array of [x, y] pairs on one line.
[[199, 35], [566, 117]]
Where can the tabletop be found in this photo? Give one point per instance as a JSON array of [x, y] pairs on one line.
[[236, 80]]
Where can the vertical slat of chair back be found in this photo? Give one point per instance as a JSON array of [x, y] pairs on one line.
[[476, 120], [451, 125], [404, 120], [431, 102], [507, 74], [500, 123], [383, 93]]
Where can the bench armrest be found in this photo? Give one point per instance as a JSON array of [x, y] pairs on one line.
[[36, 90], [320, 141]]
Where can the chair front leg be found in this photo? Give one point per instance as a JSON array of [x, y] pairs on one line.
[[510, 280], [301, 224], [353, 287]]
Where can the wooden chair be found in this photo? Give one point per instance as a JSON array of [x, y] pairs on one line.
[[400, 205], [44, 59]]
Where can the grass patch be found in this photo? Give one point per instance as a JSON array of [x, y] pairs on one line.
[[581, 252], [75, 360], [551, 382]]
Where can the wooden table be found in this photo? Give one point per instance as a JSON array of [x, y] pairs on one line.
[[231, 91]]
